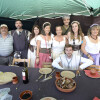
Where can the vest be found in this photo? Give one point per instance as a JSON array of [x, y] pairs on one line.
[[20, 42]]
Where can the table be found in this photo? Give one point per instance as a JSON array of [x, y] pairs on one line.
[[86, 89]]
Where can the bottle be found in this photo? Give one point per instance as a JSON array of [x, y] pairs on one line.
[[25, 75]]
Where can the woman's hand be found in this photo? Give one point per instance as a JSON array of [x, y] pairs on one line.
[[91, 58], [37, 60], [66, 36]]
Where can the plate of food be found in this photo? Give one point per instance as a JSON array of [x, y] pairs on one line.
[[68, 74], [45, 70], [92, 73], [6, 77], [65, 84], [48, 98]]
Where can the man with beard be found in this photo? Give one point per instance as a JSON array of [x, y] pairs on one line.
[[66, 27], [6, 46], [69, 61], [21, 40]]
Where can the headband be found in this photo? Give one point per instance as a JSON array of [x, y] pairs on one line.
[[94, 25], [46, 23], [75, 22]]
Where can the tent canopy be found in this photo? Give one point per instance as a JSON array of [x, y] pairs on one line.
[[27, 9]]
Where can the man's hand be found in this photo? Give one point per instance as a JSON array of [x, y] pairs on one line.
[[60, 64]]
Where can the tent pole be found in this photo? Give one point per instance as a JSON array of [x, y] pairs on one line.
[[84, 2], [80, 12], [97, 12]]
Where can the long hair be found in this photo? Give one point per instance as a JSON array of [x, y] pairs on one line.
[[44, 25], [92, 27], [33, 34], [80, 33]]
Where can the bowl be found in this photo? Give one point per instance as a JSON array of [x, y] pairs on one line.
[[26, 95], [93, 71], [67, 90]]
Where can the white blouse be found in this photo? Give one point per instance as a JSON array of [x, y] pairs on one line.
[[44, 43], [32, 55], [77, 42], [58, 47], [33, 41], [92, 48]]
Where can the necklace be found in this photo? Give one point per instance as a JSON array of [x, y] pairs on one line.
[[93, 37], [75, 35], [68, 61]]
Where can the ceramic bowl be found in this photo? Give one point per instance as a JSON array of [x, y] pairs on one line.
[[26, 92], [65, 90]]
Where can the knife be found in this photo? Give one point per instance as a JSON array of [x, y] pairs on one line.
[[46, 79]]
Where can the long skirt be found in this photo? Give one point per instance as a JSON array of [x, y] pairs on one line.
[[32, 57], [96, 58], [43, 57]]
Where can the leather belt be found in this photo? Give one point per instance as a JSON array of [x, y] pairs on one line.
[[76, 47], [45, 50]]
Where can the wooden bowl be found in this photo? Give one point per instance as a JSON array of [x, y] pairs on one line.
[[26, 92], [93, 71], [65, 90]]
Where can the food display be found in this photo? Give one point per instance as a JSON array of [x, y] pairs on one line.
[[65, 84]]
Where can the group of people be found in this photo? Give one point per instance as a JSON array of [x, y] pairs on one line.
[[68, 49], [13, 43]]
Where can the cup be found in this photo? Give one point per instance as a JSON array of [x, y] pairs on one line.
[[93, 71], [57, 75], [15, 80]]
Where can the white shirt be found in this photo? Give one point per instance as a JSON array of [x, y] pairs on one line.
[[33, 41], [28, 35], [74, 62], [52, 35], [92, 48], [58, 47], [44, 43]]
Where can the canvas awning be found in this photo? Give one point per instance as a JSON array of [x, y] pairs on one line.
[[27, 9]]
